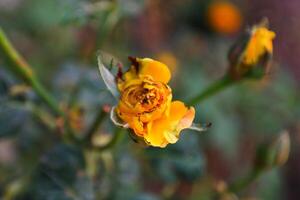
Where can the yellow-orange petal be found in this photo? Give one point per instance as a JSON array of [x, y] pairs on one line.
[[155, 133], [131, 74], [146, 67], [187, 119], [167, 129], [157, 70], [169, 59], [137, 126], [261, 41]]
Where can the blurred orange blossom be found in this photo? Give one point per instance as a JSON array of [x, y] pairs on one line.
[[224, 17]]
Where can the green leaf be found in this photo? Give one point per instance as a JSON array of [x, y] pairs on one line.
[[108, 78]]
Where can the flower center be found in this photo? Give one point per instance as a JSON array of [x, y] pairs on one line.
[[145, 95]]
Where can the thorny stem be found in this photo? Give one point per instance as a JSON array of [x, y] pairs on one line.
[[214, 88], [24, 71]]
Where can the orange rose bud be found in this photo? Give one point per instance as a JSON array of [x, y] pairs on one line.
[[146, 103], [251, 55]]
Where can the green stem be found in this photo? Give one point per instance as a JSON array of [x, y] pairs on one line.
[[22, 69], [245, 182], [46, 97], [216, 87], [18, 64]]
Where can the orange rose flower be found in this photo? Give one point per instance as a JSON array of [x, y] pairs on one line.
[[146, 103]]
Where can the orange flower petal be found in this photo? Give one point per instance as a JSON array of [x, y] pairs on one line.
[[259, 43], [147, 67], [157, 70], [167, 129]]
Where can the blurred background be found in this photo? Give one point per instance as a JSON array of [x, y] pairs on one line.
[[61, 38]]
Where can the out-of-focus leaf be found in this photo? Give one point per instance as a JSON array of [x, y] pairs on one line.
[[127, 176], [131, 7], [56, 175], [44, 14], [11, 119], [64, 161], [181, 161], [84, 186], [274, 181], [4, 85], [6, 81], [146, 196]]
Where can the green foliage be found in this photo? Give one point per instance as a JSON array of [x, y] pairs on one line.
[[61, 38]]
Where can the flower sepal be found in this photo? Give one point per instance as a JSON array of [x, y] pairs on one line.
[[200, 127], [108, 78]]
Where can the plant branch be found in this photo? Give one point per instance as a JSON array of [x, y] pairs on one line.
[[211, 90], [22, 69]]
